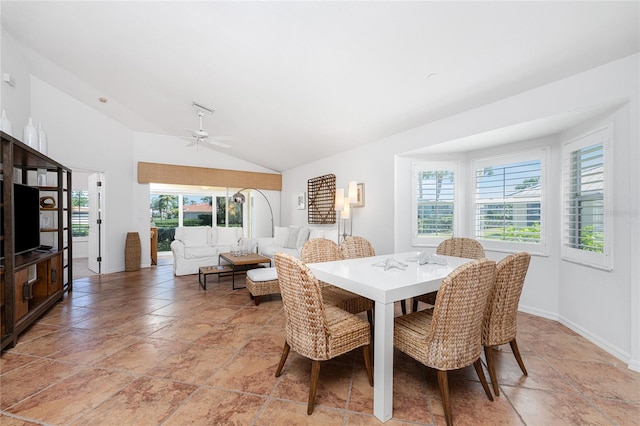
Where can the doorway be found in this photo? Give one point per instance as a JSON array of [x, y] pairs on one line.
[[88, 193]]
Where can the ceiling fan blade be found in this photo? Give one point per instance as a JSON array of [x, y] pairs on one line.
[[192, 141], [217, 143]]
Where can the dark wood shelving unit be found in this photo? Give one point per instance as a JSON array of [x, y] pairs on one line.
[[31, 283]]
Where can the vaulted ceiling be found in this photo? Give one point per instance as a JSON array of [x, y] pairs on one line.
[[291, 82]]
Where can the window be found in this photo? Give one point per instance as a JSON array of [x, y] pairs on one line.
[[434, 202], [508, 201], [197, 210], [79, 213], [586, 230]]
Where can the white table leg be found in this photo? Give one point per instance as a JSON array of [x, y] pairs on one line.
[[383, 362]]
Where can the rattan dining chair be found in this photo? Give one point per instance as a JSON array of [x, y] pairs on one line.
[[457, 247], [499, 326], [450, 337], [312, 329], [355, 246], [319, 250]]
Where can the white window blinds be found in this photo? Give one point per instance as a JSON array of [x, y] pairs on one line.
[[586, 228], [509, 200], [434, 200]]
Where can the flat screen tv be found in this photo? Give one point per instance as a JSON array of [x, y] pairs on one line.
[[26, 209]]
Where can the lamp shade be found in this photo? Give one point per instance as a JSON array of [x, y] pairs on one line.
[[339, 204], [353, 191], [238, 198], [346, 211]]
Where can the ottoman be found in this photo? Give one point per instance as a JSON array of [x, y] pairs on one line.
[[262, 281]]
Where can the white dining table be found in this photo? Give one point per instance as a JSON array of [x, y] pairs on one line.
[[385, 286]]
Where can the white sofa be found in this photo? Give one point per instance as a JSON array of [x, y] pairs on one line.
[[289, 239], [195, 246]]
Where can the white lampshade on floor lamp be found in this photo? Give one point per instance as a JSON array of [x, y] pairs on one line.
[[238, 197]]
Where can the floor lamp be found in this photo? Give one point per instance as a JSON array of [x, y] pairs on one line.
[[238, 197], [342, 207]]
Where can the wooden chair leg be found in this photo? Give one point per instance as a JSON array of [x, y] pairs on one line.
[[283, 358], [256, 299], [414, 305], [366, 351], [403, 306], [315, 375], [488, 353], [516, 353], [478, 365], [443, 384]]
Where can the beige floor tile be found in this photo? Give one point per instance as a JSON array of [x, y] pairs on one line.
[[72, 396], [247, 372], [146, 401], [550, 408], [216, 407], [295, 413]]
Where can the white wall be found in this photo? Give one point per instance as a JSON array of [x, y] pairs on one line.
[[554, 288]]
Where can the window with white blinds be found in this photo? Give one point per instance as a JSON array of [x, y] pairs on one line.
[[509, 210], [586, 229], [434, 200]]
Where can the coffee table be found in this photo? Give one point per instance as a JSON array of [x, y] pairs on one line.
[[203, 271], [242, 264]]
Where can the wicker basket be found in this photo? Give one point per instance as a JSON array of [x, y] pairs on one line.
[[132, 252]]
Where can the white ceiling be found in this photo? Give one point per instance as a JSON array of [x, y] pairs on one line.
[[292, 82]]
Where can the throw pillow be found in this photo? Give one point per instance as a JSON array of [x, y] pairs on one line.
[[281, 235], [194, 236], [292, 241], [227, 236], [303, 236]]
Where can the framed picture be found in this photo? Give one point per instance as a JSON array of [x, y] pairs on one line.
[[302, 202], [360, 200]]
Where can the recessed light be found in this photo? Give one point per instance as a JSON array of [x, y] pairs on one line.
[[103, 100]]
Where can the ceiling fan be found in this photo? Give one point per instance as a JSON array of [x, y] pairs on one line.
[[202, 136]]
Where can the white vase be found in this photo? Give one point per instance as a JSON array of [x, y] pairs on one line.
[[42, 140], [5, 124], [30, 134]]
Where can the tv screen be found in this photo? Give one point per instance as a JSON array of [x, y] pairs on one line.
[[26, 210]]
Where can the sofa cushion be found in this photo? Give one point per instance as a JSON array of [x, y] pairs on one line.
[[193, 236], [292, 239], [262, 274], [303, 236], [281, 235], [194, 252], [271, 250], [227, 236]]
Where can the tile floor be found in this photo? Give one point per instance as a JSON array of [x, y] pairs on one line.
[[148, 348]]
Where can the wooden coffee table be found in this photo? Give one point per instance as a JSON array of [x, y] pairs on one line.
[[203, 271], [242, 264]]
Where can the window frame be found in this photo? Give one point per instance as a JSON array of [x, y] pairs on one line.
[[541, 154], [598, 260], [434, 166]]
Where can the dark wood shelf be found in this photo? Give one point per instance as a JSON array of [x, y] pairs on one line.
[[48, 272]]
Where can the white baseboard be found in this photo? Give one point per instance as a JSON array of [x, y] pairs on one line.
[[596, 340]]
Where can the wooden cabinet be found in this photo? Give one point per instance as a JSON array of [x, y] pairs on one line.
[[20, 302], [32, 281]]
